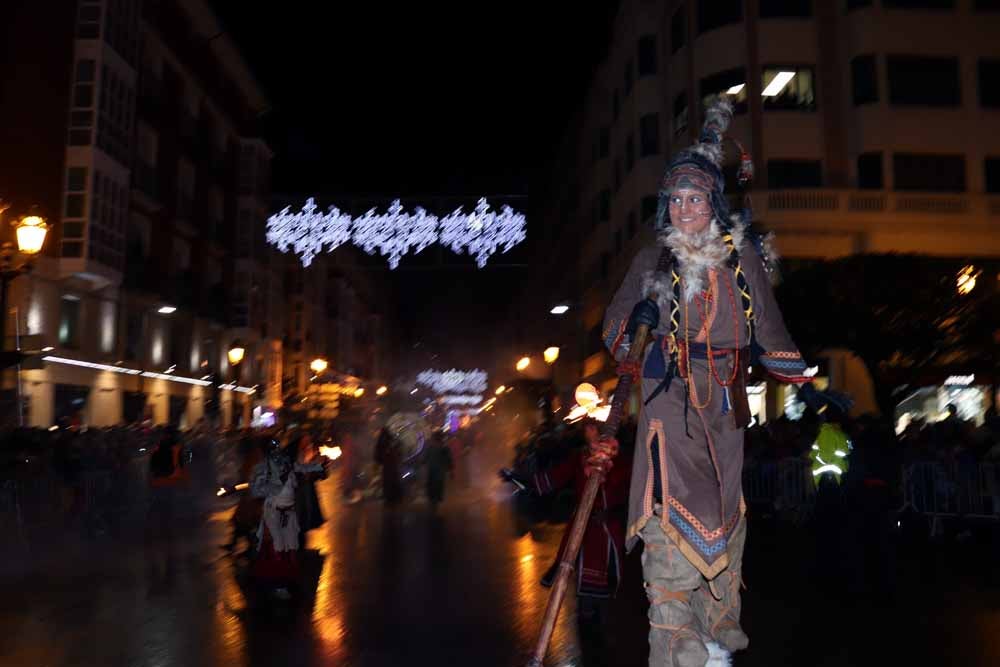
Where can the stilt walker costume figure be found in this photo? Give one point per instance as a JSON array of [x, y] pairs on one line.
[[686, 499]]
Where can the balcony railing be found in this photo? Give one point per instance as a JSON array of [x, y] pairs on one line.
[[919, 205]]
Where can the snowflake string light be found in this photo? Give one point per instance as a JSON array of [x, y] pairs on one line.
[[395, 233], [481, 232], [454, 381], [308, 233]]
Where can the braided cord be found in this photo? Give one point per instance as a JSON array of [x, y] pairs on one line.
[[741, 283]]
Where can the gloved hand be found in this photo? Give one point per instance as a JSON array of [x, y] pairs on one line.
[[600, 456], [819, 401], [645, 312]]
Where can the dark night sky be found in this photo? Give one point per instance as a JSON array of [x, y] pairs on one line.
[[409, 99]]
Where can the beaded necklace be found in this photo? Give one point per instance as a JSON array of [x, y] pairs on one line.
[[702, 306]]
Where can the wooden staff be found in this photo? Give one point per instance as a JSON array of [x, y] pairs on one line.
[[586, 505]]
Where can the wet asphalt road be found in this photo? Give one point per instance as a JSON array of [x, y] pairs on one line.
[[406, 586]]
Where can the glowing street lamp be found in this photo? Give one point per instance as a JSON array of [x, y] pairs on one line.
[[236, 352], [31, 232], [551, 354], [523, 363], [381, 390], [318, 365], [499, 390], [359, 392]]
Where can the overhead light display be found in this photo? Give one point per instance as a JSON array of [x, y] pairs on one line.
[[454, 381], [396, 233]]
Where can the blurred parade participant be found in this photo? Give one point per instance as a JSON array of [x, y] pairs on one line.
[[439, 464], [599, 563], [387, 455], [274, 480], [709, 274]]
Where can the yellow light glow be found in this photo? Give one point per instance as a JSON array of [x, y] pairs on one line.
[[31, 232], [966, 281], [381, 390], [586, 395], [332, 453], [523, 363], [527, 557], [359, 392], [551, 354], [242, 485], [318, 366], [236, 353], [499, 390], [220, 492]]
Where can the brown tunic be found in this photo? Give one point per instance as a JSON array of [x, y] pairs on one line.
[[699, 446]]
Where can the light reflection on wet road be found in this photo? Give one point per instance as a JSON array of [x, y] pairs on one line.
[[394, 587]]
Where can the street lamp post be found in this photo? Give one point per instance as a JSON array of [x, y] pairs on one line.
[[30, 232], [235, 354]]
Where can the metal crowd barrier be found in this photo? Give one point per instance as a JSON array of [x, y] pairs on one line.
[[781, 485], [953, 490]]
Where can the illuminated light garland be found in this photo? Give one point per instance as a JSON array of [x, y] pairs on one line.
[[395, 233], [481, 232], [454, 381], [462, 400]]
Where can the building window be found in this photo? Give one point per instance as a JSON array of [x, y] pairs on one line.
[[870, 171], [647, 207], [717, 13], [930, 173], [603, 142], [74, 212], [647, 55], [88, 19], [788, 88], [69, 322], [81, 116], [629, 66], [678, 30], [629, 152], [924, 81], [773, 9], [864, 80], [918, 4], [989, 83], [649, 135], [732, 82], [680, 114], [786, 174], [992, 172], [616, 104], [605, 205]]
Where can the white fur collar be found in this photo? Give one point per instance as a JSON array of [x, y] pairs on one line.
[[697, 253]]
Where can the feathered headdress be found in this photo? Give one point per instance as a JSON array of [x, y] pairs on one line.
[[700, 166]]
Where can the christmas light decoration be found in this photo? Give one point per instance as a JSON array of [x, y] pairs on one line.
[[454, 381], [481, 232], [395, 233], [461, 399]]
